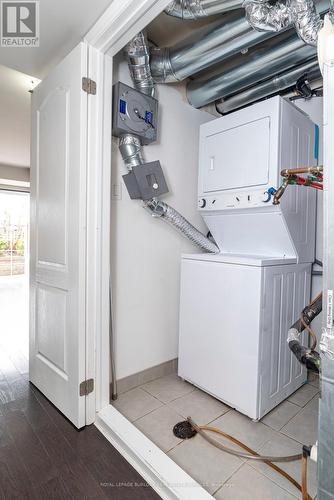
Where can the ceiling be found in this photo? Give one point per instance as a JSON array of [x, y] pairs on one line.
[[15, 117], [63, 23]]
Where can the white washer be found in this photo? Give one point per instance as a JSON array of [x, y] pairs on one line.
[[236, 307], [234, 317]]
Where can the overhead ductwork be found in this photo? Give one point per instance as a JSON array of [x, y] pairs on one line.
[[204, 48], [286, 53], [137, 53], [265, 16], [138, 56], [196, 9], [269, 87], [307, 21], [234, 33]]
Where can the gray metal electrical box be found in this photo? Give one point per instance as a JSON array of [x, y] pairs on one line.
[[134, 113], [146, 181]]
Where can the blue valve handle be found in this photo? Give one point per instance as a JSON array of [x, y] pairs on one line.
[[271, 191]]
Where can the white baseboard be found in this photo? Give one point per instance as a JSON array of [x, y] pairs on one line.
[[158, 470]]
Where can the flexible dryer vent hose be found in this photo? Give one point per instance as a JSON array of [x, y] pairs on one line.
[[169, 214]]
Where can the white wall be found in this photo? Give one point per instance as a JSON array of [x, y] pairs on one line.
[[314, 109], [146, 251]]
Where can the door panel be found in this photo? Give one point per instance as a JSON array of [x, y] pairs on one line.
[[58, 235]]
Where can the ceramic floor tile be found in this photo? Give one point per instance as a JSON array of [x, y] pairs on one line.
[[136, 403], [247, 484], [281, 415], [253, 434], [281, 445], [202, 407], [303, 395], [304, 426], [205, 463], [158, 426], [168, 388]]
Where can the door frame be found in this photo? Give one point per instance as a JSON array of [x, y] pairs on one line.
[[117, 26]]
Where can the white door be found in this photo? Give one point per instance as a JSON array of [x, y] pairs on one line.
[[58, 236]]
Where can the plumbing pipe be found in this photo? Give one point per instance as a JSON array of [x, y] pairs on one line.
[[269, 87], [316, 170], [203, 48], [196, 9], [259, 65]]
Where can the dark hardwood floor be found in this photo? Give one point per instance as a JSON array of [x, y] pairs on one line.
[[42, 456]]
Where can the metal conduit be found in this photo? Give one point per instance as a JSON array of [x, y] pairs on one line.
[[256, 67], [269, 87], [204, 48], [196, 9]]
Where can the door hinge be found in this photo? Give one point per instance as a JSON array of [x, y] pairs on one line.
[[88, 86], [86, 387]]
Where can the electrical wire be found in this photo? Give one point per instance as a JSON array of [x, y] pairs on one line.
[[251, 454]]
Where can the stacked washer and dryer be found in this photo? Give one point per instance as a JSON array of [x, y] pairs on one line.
[[236, 306]]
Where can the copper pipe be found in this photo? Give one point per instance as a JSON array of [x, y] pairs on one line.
[[280, 191], [305, 170]]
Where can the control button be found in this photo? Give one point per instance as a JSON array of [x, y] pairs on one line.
[[202, 203]]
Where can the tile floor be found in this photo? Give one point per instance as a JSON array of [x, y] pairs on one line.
[[157, 406]]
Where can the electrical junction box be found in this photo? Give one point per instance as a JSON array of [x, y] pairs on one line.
[[146, 181], [134, 113]]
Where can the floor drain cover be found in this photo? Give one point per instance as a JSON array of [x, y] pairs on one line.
[[184, 430]]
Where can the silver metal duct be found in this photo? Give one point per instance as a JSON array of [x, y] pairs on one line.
[[138, 56], [265, 16], [255, 67], [269, 87], [204, 48], [131, 151], [196, 9], [307, 21], [169, 214]]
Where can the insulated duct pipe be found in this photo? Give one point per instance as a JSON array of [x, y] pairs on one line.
[[160, 209], [137, 53], [261, 64], [204, 48], [270, 87], [305, 355], [196, 9], [265, 16]]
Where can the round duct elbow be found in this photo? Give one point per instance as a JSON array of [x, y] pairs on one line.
[[161, 66], [138, 56]]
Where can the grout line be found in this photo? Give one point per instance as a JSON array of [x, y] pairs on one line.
[[228, 479]]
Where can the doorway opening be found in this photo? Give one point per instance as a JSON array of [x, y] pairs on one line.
[[14, 280]]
